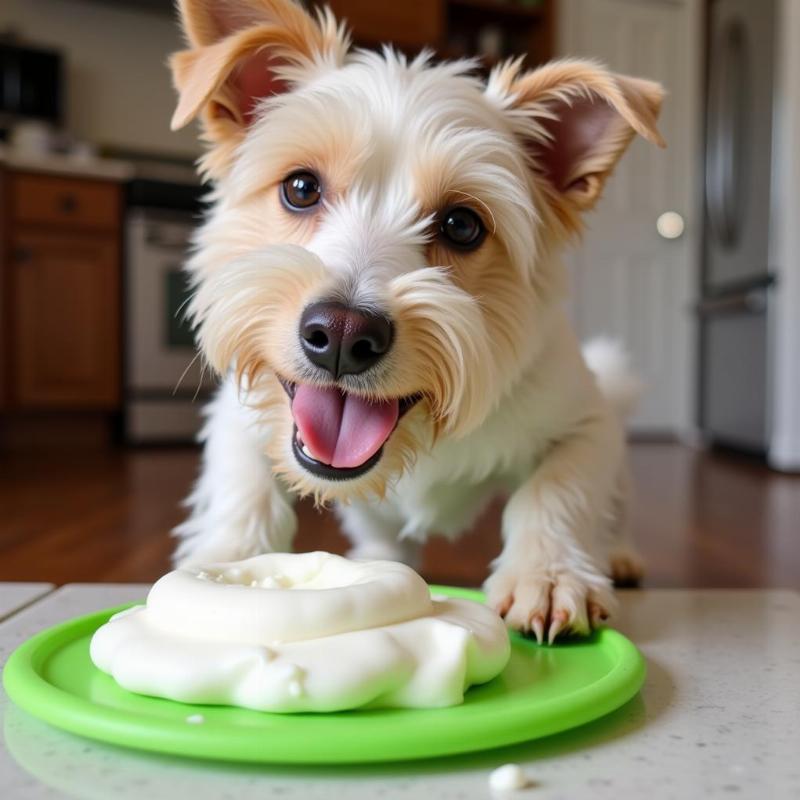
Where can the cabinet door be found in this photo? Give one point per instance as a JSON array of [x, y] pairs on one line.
[[66, 321], [412, 24]]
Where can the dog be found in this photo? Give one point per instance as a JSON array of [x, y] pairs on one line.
[[378, 283]]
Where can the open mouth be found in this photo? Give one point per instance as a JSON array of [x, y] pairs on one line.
[[338, 435]]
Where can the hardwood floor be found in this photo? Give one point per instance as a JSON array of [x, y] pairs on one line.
[[701, 519]]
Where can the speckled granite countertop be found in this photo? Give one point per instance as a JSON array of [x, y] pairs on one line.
[[719, 716]]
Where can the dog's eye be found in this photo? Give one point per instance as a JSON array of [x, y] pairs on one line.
[[301, 190], [462, 228]]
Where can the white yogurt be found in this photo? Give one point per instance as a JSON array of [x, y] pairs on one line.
[[302, 632], [508, 778]]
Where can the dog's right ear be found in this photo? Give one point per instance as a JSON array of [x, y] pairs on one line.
[[242, 51], [575, 119]]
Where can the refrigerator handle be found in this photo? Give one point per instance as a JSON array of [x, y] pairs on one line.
[[753, 301]]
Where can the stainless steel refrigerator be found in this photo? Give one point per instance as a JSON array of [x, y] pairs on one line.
[[738, 278]]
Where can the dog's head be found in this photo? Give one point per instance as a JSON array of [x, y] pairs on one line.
[[378, 267]]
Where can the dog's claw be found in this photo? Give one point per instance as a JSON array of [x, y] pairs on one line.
[[537, 626], [548, 606], [557, 625], [505, 605], [597, 614]]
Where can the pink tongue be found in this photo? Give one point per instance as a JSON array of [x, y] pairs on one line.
[[341, 429]]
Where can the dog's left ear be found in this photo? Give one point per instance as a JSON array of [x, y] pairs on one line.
[[242, 51], [576, 119]]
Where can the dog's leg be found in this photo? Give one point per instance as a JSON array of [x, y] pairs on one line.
[[374, 534], [238, 509], [549, 577]]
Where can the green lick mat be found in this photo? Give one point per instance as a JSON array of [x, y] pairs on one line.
[[543, 690]]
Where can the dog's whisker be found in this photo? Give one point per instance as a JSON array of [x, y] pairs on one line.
[[203, 369], [483, 205], [184, 373], [183, 305]]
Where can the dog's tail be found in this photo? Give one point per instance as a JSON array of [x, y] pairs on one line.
[[608, 360]]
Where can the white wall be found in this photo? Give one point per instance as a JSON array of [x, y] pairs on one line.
[[627, 282], [785, 366], [118, 88]]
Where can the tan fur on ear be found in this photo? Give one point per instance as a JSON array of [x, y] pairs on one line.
[[201, 74], [241, 52], [207, 21], [577, 119], [636, 100]]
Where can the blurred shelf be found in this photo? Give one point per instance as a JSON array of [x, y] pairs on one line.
[[485, 62], [509, 10]]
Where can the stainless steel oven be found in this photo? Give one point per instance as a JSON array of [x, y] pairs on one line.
[[165, 384]]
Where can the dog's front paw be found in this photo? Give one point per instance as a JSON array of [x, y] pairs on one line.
[[561, 602]]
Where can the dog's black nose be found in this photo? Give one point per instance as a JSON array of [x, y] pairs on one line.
[[343, 340]]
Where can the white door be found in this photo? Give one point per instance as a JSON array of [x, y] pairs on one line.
[[629, 280]]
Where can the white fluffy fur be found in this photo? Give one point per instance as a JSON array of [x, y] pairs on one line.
[[608, 360], [509, 403]]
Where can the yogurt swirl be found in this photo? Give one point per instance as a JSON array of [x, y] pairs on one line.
[[302, 632]]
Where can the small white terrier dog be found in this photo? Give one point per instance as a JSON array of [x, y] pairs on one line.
[[378, 279]]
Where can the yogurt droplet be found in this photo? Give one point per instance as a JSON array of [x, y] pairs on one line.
[[508, 778]]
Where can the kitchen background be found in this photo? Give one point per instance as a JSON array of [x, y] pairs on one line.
[[692, 259]]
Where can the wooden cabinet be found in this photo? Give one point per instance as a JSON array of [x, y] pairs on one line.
[[61, 287], [66, 321], [53, 201], [410, 24], [492, 30]]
